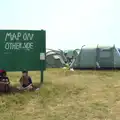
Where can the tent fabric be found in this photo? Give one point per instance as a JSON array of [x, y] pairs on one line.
[[54, 60], [70, 55], [97, 57]]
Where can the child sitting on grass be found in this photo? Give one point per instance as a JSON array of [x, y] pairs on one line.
[[25, 81], [4, 81]]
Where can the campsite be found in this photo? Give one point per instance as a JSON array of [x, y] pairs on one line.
[[62, 89], [86, 57], [60, 60], [80, 94]]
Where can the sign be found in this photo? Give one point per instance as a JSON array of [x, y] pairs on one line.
[[20, 49], [42, 56], [19, 41]]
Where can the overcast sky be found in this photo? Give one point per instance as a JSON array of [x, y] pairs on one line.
[[68, 23]]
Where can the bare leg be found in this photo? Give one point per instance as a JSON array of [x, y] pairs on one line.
[[30, 87], [20, 88]]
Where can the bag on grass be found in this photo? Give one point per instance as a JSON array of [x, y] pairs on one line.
[[4, 87]]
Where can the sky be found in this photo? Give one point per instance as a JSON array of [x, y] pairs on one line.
[[69, 24]]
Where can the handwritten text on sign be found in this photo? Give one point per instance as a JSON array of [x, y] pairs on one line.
[[18, 41]]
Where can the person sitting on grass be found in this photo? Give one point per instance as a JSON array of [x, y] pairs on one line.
[[3, 76], [25, 81], [4, 81]]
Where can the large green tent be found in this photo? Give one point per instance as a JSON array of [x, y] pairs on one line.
[[97, 57]]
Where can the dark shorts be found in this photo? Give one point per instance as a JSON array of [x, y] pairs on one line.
[[25, 85]]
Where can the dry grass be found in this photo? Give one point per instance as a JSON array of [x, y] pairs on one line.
[[65, 95]]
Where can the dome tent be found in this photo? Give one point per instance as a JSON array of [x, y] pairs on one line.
[[55, 59]]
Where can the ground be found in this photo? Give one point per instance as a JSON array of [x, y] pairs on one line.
[[65, 95]]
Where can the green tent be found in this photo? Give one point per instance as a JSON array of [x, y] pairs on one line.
[[70, 55], [97, 57], [59, 51], [54, 60]]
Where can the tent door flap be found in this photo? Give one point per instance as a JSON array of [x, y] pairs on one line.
[[105, 57]]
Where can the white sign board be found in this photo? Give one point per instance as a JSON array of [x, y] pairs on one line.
[[42, 56]]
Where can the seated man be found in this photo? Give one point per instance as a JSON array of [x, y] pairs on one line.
[[25, 81], [4, 81]]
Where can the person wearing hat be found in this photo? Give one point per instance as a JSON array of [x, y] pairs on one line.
[[25, 81]]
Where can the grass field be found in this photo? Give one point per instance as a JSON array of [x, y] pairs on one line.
[[65, 95]]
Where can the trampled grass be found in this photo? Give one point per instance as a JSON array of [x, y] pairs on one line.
[[65, 95]]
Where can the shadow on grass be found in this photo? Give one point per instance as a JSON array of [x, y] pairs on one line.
[[14, 89], [47, 89]]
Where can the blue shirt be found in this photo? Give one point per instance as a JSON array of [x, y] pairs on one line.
[[30, 82]]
